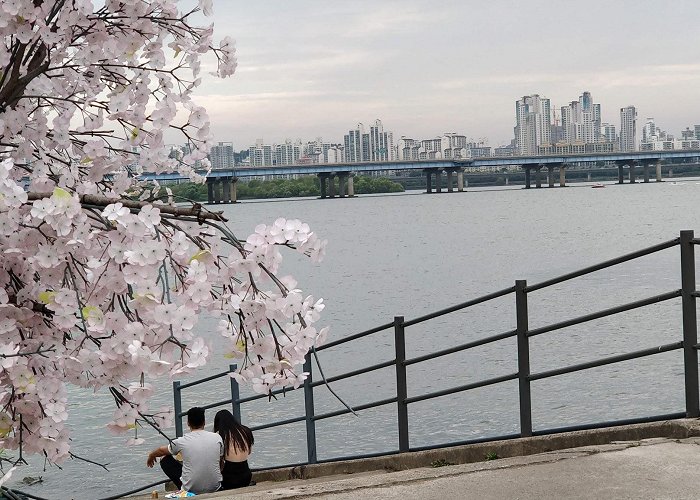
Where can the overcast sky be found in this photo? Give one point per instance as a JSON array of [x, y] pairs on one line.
[[310, 68]]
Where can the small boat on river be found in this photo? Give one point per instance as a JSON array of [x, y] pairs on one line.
[[598, 185]]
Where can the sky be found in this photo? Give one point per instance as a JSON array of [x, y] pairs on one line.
[[316, 68]]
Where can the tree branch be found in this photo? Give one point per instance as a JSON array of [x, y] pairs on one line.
[[195, 210]]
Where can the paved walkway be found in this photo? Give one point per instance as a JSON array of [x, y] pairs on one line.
[[659, 468]]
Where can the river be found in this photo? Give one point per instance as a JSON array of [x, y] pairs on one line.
[[413, 253]]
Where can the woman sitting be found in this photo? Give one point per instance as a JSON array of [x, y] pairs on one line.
[[238, 443]]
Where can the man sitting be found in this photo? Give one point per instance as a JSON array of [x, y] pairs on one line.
[[200, 470]]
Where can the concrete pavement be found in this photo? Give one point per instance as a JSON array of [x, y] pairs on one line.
[[665, 467], [654, 468]]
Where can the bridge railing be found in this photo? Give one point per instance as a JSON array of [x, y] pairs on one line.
[[524, 376]]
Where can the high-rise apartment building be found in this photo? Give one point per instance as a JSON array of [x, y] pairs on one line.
[[649, 130], [408, 149], [628, 129], [375, 145], [221, 155], [580, 121], [288, 153], [322, 152], [261, 155], [697, 132], [533, 123], [353, 144], [608, 133], [687, 134]]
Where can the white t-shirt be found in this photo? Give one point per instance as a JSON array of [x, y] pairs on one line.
[[201, 452]]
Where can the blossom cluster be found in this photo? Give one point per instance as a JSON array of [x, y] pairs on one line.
[[101, 286]]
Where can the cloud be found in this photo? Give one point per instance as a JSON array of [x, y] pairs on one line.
[[384, 19], [313, 60], [639, 76]]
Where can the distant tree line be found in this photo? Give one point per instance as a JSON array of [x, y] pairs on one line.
[[286, 188]]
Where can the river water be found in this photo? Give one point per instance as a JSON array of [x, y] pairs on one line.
[[412, 254]]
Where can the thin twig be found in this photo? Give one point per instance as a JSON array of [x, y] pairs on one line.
[[328, 386], [76, 457]]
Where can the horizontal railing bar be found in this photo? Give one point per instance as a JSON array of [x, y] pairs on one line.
[[206, 407], [605, 312], [355, 408], [463, 305], [360, 371], [695, 241], [695, 294], [612, 423], [603, 265], [466, 442], [205, 379], [278, 423], [321, 382], [220, 403], [468, 345], [356, 336], [607, 361], [461, 388], [284, 390]]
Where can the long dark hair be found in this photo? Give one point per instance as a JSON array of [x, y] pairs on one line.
[[233, 432]]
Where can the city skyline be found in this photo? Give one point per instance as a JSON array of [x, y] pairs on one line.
[[309, 69]]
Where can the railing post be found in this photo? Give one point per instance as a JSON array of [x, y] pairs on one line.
[[235, 395], [401, 389], [309, 411], [178, 408], [523, 358], [690, 325]]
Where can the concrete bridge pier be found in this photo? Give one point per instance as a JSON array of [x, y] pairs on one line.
[[448, 173], [658, 171], [550, 175], [323, 179], [342, 178], [221, 190], [226, 190], [217, 192], [428, 181], [438, 175], [538, 180], [633, 174], [645, 167], [233, 193], [331, 185], [460, 180], [351, 185], [210, 191], [562, 176], [527, 176], [621, 171]]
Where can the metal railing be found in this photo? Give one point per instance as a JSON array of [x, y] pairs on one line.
[[524, 376]]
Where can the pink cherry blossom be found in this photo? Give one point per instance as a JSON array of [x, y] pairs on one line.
[[102, 279]]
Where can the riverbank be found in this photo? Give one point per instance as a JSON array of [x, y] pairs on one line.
[[652, 460]]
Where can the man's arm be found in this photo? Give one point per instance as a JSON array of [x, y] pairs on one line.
[[158, 452]]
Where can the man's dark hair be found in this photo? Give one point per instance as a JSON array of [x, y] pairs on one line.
[[195, 417]]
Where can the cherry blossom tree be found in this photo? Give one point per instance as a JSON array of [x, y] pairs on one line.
[[102, 276]]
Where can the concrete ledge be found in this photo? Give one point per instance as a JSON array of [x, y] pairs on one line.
[[675, 429]]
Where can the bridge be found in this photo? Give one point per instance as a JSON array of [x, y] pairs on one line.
[[221, 183]]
